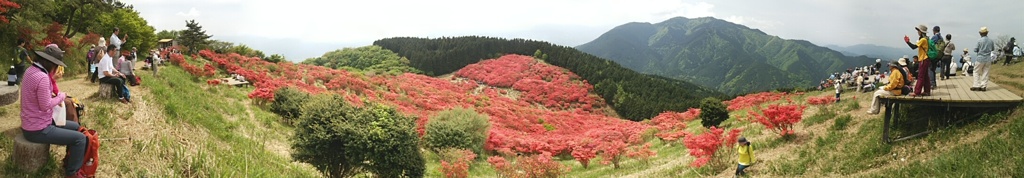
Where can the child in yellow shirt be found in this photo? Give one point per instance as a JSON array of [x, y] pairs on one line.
[[746, 157]]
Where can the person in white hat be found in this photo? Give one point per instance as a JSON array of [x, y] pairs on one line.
[[895, 87], [967, 67], [982, 60]]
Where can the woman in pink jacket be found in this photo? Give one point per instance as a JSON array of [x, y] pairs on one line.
[[37, 103]]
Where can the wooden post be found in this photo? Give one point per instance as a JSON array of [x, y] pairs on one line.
[[885, 121], [106, 91], [29, 156]]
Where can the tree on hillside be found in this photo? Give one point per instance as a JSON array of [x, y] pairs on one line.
[[275, 58], [165, 34], [140, 34], [712, 112], [367, 58], [77, 15], [194, 36]]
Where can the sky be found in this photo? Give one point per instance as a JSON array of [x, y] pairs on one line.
[[301, 29]]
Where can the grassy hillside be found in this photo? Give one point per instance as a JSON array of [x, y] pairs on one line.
[[182, 127], [633, 95], [728, 57], [178, 127]]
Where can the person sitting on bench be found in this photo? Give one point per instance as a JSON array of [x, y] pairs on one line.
[[110, 75], [37, 107]]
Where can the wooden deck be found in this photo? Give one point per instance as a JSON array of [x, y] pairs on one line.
[[958, 90], [953, 92]]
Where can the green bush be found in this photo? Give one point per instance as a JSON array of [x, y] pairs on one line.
[[457, 128], [341, 140], [288, 102], [712, 112]]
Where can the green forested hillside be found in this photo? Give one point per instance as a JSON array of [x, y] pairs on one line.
[[633, 95], [718, 54]]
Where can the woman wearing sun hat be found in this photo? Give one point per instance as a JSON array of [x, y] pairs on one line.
[[38, 100], [895, 87], [923, 86]]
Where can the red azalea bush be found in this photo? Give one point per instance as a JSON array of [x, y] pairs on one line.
[[54, 36], [539, 165], [5, 6], [584, 152], [779, 118], [672, 125], [541, 83], [642, 153], [746, 101], [823, 100], [213, 82], [455, 162], [704, 146]]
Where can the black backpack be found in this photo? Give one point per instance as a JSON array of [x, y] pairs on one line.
[[906, 82]]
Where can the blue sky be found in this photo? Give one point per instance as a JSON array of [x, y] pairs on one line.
[[301, 29]]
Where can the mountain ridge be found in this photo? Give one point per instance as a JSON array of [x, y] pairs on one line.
[[715, 53]]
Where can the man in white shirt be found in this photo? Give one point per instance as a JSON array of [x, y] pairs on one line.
[[117, 42], [110, 75]]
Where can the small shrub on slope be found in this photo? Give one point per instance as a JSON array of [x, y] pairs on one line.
[[457, 128], [341, 140]]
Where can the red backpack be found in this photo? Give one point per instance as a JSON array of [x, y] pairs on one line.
[[92, 159]]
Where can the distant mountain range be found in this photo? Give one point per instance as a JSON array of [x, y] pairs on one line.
[[718, 54], [872, 51]]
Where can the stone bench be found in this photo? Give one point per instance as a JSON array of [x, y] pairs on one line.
[[8, 94], [29, 156], [106, 91]]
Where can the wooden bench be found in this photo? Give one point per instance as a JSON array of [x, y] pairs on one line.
[[233, 82], [29, 156]]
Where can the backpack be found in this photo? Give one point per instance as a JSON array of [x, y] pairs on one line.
[[934, 53], [92, 159], [91, 56], [906, 80], [1017, 52]]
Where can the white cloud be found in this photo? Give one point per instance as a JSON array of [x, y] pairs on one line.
[[191, 13], [753, 22]]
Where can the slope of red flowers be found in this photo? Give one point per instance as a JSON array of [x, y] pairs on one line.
[[746, 101], [517, 124]]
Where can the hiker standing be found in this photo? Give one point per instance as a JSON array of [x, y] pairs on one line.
[[746, 156], [24, 59], [923, 80], [937, 40], [117, 42], [894, 87], [983, 60], [1008, 50], [947, 57]]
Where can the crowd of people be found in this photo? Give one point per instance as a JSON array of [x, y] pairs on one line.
[[977, 66], [43, 119]]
